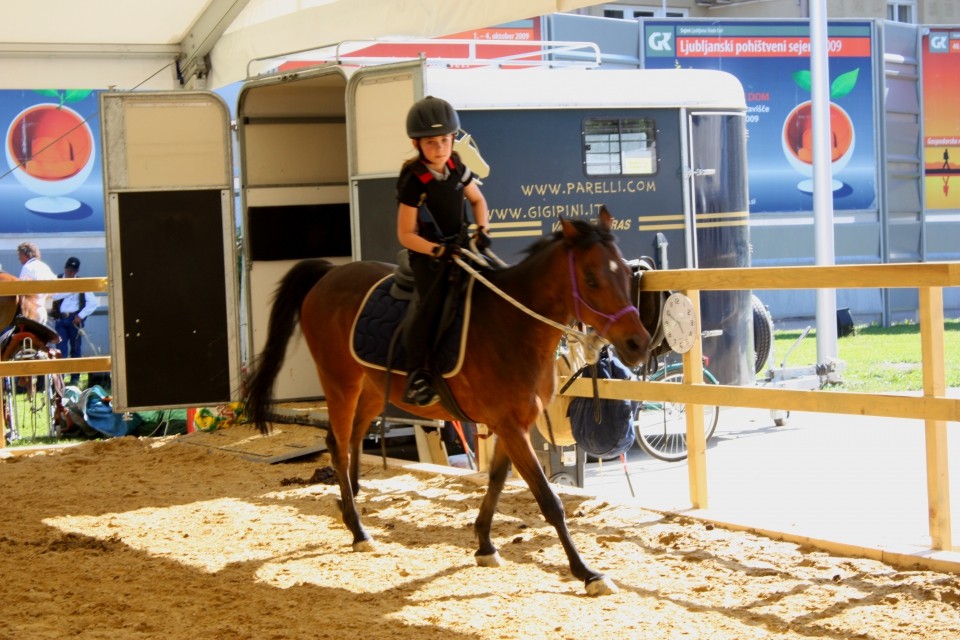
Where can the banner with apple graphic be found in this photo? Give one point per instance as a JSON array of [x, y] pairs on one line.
[[52, 179], [797, 137], [772, 61]]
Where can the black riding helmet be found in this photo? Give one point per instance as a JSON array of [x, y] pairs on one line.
[[432, 117]]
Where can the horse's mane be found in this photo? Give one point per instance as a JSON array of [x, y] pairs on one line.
[[589, 234]]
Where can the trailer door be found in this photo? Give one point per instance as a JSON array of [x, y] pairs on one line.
[[719, 189], [171, 242], [721, 235], [292, 139], [378, 99]]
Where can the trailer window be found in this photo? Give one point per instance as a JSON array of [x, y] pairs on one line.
[[619, 146]]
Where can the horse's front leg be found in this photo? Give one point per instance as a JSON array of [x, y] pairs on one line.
[[340, 457], [517, 446], [487, 555], [355, 453]]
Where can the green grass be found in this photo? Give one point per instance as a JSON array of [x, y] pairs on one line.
[[878, 359]]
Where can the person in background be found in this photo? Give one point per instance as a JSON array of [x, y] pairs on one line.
[[72, 310], [34, 306]]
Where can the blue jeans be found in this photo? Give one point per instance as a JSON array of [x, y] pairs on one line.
[[70, 341]]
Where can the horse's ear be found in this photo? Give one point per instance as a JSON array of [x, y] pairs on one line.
[[606, 220], [569, 229]]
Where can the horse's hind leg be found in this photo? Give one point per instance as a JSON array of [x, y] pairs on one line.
[[344, 447], [369, 407], [342, 410], [340, 457], [487, 555], [518, 448]]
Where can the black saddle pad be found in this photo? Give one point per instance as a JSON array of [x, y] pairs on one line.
[[377, 322]]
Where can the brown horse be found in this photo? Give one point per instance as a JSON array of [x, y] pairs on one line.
[[8, 304], [508, 373]]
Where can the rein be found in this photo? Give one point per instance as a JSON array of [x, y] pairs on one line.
[[592, 342]]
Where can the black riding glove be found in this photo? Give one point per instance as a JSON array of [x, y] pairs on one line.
[[481, 239], [445, 250]]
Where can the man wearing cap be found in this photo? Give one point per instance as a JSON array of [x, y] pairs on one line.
[[74, 309]]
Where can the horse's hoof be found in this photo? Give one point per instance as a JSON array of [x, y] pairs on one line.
[[363, 546], [601, 586], [492, 560]]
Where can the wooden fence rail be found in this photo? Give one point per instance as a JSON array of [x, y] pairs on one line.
[[933, 407]]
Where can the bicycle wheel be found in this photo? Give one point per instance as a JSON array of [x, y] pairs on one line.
[[762, 335], [661, 427]]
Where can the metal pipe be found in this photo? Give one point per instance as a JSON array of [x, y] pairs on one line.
[[822, 180]]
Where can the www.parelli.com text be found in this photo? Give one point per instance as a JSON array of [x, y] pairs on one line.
[[589, 187]]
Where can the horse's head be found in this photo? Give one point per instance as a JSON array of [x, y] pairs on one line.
[[601, 283]]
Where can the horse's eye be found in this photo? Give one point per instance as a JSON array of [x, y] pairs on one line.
[[591, 280]]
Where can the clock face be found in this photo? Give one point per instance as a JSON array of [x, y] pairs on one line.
[[679, 323]]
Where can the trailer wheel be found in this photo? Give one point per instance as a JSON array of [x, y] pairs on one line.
[[762, 334]]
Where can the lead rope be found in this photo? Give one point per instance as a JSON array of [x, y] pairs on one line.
[[592, 341]]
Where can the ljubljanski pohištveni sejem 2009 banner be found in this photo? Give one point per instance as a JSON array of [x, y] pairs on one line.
[[772, 62]]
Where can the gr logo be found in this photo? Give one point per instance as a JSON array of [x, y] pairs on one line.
[[939, 43], [660, 41]]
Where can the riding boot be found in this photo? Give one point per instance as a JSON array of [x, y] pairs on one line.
[[419, 391]]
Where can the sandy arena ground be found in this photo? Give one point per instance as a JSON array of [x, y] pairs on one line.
[[133, 539]]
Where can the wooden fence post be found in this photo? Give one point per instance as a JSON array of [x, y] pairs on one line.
[[935, 385], [696, 438]]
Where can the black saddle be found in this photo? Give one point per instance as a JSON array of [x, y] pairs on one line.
[[23, 328]]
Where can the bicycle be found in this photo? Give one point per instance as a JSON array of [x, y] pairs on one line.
[[30, 402], [661, 427]]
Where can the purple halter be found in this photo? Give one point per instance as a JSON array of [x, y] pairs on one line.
[[578, 300]]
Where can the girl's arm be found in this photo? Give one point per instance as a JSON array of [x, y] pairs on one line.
[[478, 203], [407, 231]]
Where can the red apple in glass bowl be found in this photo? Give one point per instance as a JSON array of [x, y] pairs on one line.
[[51, 151], [797, 141]]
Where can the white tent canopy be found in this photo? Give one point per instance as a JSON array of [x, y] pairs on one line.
[[127, 44]]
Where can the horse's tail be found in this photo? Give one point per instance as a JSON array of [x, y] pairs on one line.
[[284, 316]]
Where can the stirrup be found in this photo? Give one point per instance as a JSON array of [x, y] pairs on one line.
[[419, 391]]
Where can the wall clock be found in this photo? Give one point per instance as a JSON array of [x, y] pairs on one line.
[[679, 322]]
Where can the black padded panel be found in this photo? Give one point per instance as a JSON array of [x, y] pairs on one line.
[[174, 299], [377, 204], [298, 232]]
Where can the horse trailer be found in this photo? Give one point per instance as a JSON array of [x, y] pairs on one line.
[[317, 155]]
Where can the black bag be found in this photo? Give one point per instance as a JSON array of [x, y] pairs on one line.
[[613, 434]]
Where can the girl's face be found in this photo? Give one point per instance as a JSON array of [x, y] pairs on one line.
[[435, 150]]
